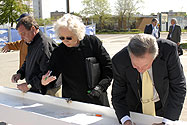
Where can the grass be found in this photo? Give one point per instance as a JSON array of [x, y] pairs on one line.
[[118, 32], [184, 30], [131, 31], [184, 45]]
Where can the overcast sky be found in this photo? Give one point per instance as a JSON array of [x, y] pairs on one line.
[[148, 7]]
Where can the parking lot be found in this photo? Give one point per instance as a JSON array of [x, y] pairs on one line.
[[112, 42]]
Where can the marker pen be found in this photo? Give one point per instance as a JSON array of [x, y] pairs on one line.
[[48, 75]]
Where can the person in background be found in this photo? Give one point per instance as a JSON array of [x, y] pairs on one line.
[[36, 63], [17, 45], [69, 61], [174, 32], [152, 28], [148, 79]]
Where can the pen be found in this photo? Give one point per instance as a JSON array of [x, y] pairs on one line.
[[89, 91], [93, 114], [48, 75]]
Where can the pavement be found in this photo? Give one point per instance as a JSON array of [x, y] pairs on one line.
[[112, 42]]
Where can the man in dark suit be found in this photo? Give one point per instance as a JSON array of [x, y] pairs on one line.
[[159, 58], [174, 32], [152, 28]]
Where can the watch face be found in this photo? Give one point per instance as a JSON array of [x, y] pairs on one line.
[[29, 86]]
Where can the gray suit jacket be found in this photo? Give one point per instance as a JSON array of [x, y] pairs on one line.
[[168, 76], [175, 34]]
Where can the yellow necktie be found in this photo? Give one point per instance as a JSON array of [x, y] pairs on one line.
[[148, 105]]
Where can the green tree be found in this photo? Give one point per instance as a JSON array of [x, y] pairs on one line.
[[126, 8], [44, 22], [152, 14], [10, 10], [121, 9], [98, 8]]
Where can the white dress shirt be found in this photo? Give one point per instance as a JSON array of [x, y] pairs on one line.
[[172, 30], [155, 31]]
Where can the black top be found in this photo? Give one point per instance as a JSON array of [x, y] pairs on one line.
[[149, 29], [70, 61], [37, 61]]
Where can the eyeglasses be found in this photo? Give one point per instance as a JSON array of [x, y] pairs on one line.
[[63, 38]]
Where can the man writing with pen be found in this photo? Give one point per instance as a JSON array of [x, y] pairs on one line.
[[36, 63]]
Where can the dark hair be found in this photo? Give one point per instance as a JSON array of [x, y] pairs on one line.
[[28, 22], [154, 20]]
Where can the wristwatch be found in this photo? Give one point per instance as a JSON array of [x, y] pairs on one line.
[[29, 86]]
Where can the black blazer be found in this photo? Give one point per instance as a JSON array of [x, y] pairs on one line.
[[168, 79], [176, 34], [148, 30]]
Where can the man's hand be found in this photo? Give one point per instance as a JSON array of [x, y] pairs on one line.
[[15, 78], [158, 124], [178, 43], [129, 122], [5, 49], [23, 87]]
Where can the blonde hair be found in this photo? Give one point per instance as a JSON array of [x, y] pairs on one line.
[[73, 23]]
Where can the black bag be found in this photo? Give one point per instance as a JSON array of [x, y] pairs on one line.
[[93, 72], [180, 51]]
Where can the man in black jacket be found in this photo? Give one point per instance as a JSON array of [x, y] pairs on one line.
[[36, 64], [152, 28], [158, 58]]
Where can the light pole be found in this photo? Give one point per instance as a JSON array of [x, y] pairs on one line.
[[67, 6]]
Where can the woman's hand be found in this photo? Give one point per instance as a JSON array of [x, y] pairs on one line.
[[46, 79]]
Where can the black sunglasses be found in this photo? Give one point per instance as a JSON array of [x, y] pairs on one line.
[[63, 38]]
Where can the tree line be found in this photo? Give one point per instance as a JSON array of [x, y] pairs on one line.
[[97, 11]]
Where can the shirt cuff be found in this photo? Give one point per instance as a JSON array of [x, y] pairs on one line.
[[166, 121], [125, 118]]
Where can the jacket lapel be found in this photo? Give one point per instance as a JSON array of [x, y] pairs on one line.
[[158, 67], [132, 76]]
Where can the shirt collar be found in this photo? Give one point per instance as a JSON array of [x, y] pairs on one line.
[[35, 37], [153, 26]]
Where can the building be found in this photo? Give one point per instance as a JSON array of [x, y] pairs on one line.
[[165, 19], [142, 21], [37, 8], [56, 15]]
